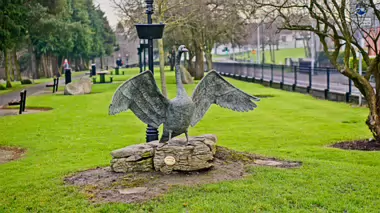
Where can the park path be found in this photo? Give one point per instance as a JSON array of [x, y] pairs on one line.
[[33, 90]]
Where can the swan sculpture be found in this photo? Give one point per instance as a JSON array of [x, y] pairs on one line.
[[141, 95]]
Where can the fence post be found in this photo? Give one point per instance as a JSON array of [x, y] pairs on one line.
[[24, 102], [271, 75], [55, 82], [21, 99], [56, 86], [282, 77], [348, 94], [310, 79], [254, 74], [295, 78], [262, 73], [328, 84]]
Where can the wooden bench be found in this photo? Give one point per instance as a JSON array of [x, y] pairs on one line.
[[20, 102]]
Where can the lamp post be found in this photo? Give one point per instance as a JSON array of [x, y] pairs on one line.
[[149, 12], [144, 54], [140, 61], [143, 47], [150, 31]]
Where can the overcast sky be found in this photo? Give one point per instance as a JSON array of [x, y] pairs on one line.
[[106, 6]]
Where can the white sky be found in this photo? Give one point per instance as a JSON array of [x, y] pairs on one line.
[[107, 7]]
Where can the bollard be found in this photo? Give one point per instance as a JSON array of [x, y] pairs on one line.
[[117, 71], [93, 70]]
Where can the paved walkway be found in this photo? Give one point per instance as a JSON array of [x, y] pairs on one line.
[[33, 90]]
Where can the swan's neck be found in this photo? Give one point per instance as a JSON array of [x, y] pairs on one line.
[[180, 88]]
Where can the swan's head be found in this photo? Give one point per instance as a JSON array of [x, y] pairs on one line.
[[182, 49]]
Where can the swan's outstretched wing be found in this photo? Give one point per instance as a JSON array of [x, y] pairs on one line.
[[143, 97], [213, 89]]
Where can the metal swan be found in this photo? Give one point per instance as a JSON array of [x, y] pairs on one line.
[[141, 95]]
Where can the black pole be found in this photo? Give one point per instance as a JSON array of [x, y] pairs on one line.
[[271, 75], [328, 84], [144, 49], [295, 78], [282, 77], [348, 94], [140, 61], [310, 81], [151, 132]]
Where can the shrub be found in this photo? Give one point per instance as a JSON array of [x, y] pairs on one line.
[[26, 81], [2, 87]]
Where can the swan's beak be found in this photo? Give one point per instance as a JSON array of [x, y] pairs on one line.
[[185, 50]]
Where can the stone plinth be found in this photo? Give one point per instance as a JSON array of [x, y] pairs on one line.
[[176, 155]]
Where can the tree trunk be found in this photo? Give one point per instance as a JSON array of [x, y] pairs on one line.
[[209, 60], [12, 65], [271, 53], [55, 65], [101, 62], [190, 64], [17, 65], [33, 62], [44, 65], [7, 74], [199, 64], [49, 62], [162, 67]]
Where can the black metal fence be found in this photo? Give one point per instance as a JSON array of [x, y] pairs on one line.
[[321, 78]]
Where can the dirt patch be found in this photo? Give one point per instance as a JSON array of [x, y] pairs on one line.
[[362, 145], [101, 185], [15, 111], [10, 154]]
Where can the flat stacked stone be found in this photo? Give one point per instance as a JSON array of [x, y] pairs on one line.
[[136, 158], [176, 155]]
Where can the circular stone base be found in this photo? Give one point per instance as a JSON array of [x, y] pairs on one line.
[[102, 185]]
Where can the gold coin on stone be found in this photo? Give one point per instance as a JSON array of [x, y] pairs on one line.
[[169, 160]]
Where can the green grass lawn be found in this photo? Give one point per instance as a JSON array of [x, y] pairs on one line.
[[79, 135], [280, 55]]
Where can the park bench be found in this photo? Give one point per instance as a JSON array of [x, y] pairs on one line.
[[54, 85], [20, 102]]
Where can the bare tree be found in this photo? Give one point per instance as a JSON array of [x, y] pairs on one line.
[[339, 22]]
